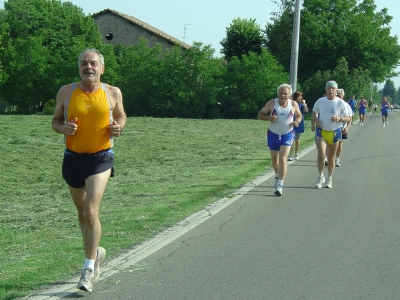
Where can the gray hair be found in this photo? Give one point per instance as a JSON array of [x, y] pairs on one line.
[[101, 57], [341, 91], [284, 86]]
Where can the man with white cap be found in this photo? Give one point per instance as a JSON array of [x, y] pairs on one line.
[[329, 113]]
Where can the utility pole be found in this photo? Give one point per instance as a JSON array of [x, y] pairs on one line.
[[372, 88], [295, 47]]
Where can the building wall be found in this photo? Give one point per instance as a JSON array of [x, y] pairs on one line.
[[126, 32]]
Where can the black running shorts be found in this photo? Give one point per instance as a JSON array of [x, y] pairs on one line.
[[76, 167]]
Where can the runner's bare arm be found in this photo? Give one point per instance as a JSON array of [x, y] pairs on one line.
[[58, 121], [265, 112], [297, 114], [119, 114]]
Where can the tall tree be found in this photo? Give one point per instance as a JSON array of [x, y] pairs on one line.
[[242, 37], [389, 89], [354, 82], [331, 29], [171, 83], [278, 34], [46, 37], [250, 82], [4, 39]]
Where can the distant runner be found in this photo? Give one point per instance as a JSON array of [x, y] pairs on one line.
[[362, 109], [385, 106]]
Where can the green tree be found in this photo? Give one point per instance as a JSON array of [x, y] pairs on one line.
[[278, 34], [242, 37], [354, 82], [171, 83], [250, 82], [331, 29], [191, 80], [389, 89], [398, 95], [41, 56], [4, 39], [139, 68]]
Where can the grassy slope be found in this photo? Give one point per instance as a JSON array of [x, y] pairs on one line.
[[166, 169]]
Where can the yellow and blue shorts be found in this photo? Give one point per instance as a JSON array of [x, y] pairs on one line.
[[331, 137]]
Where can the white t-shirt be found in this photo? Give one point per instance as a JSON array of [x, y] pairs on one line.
[[349, 110], [328, 108]]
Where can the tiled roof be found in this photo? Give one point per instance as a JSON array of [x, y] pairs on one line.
[[144, 26]]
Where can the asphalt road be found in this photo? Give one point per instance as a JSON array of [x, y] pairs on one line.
[[339, 243]]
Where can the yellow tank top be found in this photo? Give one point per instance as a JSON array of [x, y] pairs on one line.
[[94, 113]]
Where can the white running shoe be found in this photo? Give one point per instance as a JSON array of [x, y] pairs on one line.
[[278, 189], [85, 282], [290, 158], [337, 162], [383, 125], [329, 183], [320, 181], [296, 156], [387, 124], [101, 254]]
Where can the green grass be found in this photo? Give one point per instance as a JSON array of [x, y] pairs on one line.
[[166, 169]]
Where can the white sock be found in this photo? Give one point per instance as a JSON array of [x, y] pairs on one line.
[[89, 264], [276, 175], [280, 182]]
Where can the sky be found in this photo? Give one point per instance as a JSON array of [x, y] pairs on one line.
[[206, 21]]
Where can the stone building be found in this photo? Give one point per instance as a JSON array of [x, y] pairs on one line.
[[117, 28]]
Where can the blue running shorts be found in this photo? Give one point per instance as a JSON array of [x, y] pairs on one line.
[[275, 141]]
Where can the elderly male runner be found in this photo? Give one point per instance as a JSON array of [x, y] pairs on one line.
[[345, 128], [89, 113], [280, 112], [332, 113]]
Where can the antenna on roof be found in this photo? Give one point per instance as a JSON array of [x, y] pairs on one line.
[[184, 31]]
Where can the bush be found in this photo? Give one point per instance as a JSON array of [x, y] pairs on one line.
[[49, 107]]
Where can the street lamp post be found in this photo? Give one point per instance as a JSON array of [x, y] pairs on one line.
[[295, 46], [372, 87]]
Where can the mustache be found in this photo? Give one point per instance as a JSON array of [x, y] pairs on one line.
[[88, 72]]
